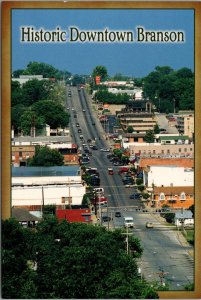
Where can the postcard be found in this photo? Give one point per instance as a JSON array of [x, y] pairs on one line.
[[100, 149]]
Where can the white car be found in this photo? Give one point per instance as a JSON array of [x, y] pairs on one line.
[[105, 150]]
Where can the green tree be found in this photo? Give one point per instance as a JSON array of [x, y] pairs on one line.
[[189, 287], [35, 90], [28, 119], [120, 77], [85, 200], [16, 113], [49, 209], [16, 93], [170, 90], [48, 71], [100, 71], [62, 253], [18, 280], [62, 270], [156, 129], [130, 129], [149, 137], [52, 112], [192, 209], [106, 97], [44, 156], [17, 73]]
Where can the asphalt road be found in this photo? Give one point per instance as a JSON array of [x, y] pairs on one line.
[[165, 257]]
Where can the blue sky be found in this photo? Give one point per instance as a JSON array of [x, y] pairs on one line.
[[133, 59]]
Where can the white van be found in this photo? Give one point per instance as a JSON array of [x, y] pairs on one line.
[[128, 222]]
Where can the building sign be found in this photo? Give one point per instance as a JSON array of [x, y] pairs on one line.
[[97, 80]]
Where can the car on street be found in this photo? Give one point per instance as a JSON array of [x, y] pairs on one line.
[[117, 214], [135, 196], [95, 147], [105, 150], [77, 125], [149, 225], [106, 219], [110, 171]]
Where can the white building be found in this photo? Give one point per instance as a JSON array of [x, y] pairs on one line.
[[33, 187], [184, 218], [168, 176], [24, 78]]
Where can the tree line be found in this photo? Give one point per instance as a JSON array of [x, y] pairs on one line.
[[170, 90], [37, 102]]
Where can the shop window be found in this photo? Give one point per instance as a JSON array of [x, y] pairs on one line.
[[182, 196], [162, 196]]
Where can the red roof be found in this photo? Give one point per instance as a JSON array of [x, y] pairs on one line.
[[179, 162], [74, 215]]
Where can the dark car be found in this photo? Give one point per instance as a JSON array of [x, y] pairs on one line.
[[106, 219], [117, 214], [135, 196], [95, 147]]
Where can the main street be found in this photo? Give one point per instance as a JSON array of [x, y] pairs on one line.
[[166, 256]]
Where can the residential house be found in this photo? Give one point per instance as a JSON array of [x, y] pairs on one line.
[[184, 218], [24, 217]]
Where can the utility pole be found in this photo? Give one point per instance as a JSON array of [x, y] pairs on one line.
[[42, 201]]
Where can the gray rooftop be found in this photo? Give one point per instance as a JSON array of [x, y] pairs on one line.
[[58, 138], [187, 214], [45, 171]]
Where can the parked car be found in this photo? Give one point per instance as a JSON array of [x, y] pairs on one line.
[[135, 196], [106, 219], [117, 214]]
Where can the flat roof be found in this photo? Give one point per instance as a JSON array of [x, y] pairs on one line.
[[45, 171], [173, 137]]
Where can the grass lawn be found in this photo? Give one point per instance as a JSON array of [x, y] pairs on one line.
[[189, 235]]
